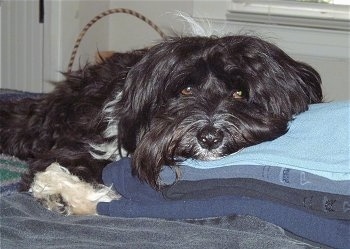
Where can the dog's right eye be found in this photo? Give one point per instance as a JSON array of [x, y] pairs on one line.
[[187, 91]]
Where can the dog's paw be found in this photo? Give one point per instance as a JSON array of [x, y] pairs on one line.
[[62, 192]]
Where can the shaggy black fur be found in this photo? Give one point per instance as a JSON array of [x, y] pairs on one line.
[[59, 126], [194, 97]]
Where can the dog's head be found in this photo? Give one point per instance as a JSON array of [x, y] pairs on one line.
[[207, 97]]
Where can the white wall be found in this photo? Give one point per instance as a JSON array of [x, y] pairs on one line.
[[21, 45], [334, 73], [127, 32], [117, 32], [64, 20], [60, 30]]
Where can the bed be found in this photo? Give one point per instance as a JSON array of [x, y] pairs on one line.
[[208, 208]]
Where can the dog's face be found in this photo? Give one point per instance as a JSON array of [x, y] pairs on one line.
[[205, 98]]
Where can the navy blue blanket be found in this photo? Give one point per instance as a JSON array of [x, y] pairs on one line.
[[277, 175], [140, 200]]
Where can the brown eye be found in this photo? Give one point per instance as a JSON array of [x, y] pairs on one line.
[[237, 94], [187, 91]]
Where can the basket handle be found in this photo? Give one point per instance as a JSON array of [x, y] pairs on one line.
[[103, 14]]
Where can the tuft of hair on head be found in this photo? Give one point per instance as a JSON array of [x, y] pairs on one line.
[[197, 26]]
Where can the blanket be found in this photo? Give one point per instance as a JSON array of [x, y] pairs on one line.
[[291, 178], [11, 170], [26, 224], [140, 200], [323, 204]]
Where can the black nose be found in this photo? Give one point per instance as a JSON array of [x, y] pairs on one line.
[[210, 137]]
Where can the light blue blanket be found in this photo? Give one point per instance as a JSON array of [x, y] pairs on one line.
[[318, 141]]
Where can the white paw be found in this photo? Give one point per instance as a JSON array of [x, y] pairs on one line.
[[65, 193]]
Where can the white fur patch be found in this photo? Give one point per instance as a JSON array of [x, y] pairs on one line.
[[106, 151], [63, 192], [109, 150]]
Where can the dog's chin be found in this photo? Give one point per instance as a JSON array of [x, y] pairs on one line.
[[205, 155], [199, 153]]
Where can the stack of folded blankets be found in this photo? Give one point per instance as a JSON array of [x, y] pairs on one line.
[[300, 182]]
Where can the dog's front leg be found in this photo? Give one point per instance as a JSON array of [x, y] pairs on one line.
[[58, 190]]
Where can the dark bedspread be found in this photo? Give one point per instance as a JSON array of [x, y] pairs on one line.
[[26, 224]]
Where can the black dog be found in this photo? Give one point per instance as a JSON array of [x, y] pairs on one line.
[[192, 97]]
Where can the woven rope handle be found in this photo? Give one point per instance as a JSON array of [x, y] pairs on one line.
[[103, 14]]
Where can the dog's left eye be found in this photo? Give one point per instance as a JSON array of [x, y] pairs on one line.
[[187, 91], [237, 94]]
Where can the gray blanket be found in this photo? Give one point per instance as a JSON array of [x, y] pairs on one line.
[[26, 224]]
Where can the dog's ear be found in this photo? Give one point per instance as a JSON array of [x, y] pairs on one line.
[[156, 149], [137, 102], [297, 86], [308, 79], [144, 92], [152, 153], [275, 81]]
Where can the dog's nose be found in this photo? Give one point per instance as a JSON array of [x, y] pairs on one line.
[[210, 137]]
